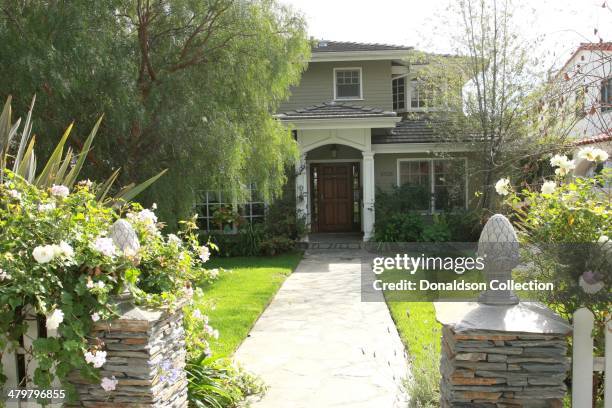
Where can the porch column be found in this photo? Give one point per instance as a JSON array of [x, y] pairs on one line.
[[368, 195], [301, 189]]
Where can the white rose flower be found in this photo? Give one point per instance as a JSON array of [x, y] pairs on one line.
[[4, 275], [43, 254], [95, 317], [175, 240], [105, 246], [46, 207], [503, 186], [549, 187], [15, 194], [54, 319], [563, 163], [60, 191], [558, 160], [593, 154], [109, 384], [204, 253], [63, 250]]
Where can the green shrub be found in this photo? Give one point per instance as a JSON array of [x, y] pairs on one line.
[[276, 245], [463, 225], [436, 232], [219, 383], [400, 227], [402, 199]]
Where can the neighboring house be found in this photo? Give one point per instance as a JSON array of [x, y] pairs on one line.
[[587, 77], [359, 118]]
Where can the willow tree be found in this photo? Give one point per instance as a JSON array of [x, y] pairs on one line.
[[186, 85]]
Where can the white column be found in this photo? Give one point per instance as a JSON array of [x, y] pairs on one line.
[[368, 195], [301, 189]]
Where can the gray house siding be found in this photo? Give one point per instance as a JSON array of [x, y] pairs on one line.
[[317, 85]]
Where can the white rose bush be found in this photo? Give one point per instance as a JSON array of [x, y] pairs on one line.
[[58, 260], [568, 221]]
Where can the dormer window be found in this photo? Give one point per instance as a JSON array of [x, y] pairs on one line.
[[419, 95], [347, 83]]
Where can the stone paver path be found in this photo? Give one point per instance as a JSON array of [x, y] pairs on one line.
[[319, 346]]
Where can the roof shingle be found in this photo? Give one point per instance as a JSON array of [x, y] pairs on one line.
[[345, 46], [335, 110]]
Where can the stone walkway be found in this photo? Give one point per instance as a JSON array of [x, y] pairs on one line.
[[319, 346]]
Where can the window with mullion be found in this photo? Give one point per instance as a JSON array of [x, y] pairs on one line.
[[348, 83], [443, 179], [399, 93]]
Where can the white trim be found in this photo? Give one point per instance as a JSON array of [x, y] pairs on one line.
[[344, 123], [432, 209], [360, 98], [316, 161], [359, 55]]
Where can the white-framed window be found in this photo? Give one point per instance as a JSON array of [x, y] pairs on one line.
[[348, 83], [445, 179], [252, 209], [398, 86], [420, 96]]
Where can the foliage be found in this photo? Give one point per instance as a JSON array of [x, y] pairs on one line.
[[224, 217], [420, 333], [464, 225], [220, 384], [60, 169], [567, 226], [487, 91], [59, 257], [400, 227], [184, 85], [276, 245], [402, 199], [436, 232]]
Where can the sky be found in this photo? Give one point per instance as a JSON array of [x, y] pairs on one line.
[[555, 26]]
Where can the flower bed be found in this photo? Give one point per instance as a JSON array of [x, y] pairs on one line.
[[66, 255]]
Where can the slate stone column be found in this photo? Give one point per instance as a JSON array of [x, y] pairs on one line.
[[146, 354], [502, 356]]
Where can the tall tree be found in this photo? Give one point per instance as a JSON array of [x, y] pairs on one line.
[[186, 85], [487, 90]]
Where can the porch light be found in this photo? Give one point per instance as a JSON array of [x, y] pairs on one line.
[[334, 151]]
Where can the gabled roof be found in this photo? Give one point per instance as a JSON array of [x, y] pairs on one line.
[[335, 110], [418, 128], [346, 46], [600, 46]]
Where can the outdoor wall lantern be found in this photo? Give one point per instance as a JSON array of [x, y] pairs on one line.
[[334, 151]]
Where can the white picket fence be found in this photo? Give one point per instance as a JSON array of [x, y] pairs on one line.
[[584, 363], [19, 365]]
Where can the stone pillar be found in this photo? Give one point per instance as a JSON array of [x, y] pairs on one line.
[[301, 189], [146, 354], [368, 195], [502, 356]]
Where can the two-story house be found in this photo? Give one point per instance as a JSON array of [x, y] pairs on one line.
[[359, 118], [586, 82]]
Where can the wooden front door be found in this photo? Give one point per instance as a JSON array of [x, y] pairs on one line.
[[335, 198]]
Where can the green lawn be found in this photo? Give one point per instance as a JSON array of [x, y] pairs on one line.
[[235, 301]]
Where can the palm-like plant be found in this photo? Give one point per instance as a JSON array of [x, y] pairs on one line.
[[60, 168]]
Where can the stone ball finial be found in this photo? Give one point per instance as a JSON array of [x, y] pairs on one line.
[[124, 237], [499, 246]]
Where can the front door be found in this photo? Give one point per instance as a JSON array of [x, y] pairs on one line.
[[335, 197]]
